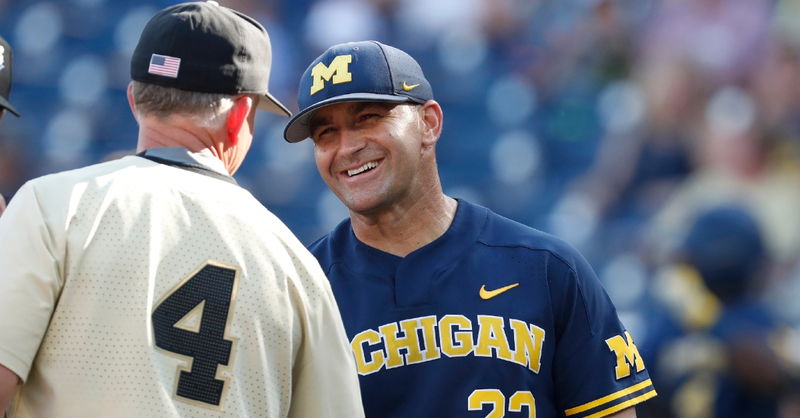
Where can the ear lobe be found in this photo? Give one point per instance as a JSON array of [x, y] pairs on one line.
[[237, 116]]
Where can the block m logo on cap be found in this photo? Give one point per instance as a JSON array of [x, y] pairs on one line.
[[337, 72]]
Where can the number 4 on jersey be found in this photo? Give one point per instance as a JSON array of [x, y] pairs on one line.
[[191, 320]]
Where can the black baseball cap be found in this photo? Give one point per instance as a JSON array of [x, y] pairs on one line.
[[5, 76], [205, 47], [366, 71]]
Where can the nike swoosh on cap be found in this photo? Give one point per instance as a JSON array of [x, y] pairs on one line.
[[406, 87]]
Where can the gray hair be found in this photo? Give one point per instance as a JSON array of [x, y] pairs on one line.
[[206, 109]]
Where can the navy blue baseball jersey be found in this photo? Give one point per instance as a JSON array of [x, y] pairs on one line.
[[726, 358], [492, 319]]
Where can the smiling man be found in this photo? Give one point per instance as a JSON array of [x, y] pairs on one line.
[[451, 309]]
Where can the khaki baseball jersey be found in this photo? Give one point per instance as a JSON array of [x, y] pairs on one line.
[[137, 288]]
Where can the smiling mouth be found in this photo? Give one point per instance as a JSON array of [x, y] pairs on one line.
[[366, 167]]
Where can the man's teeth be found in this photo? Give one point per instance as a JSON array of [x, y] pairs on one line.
[[368, 166]]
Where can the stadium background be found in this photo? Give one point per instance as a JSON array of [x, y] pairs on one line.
[[609, 123]]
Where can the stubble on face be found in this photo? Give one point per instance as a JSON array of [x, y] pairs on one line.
[[390, 143]]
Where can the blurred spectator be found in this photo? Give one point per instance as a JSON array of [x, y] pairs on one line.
[[734, 156], [779, 106], [720, 36], [644, 156], [714, 350]]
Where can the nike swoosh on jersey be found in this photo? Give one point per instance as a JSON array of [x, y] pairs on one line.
[[406, 87], [488, 294]]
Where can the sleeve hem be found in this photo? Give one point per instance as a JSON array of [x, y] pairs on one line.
[[614, 402], [13, 363]]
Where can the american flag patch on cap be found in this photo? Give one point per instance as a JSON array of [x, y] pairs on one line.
[[164, 65]]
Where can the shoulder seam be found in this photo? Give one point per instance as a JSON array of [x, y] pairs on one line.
[[551, 252]]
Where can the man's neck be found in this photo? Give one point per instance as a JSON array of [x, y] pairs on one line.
[[401, 230], [177, 132]]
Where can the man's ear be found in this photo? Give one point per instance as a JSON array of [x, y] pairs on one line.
[[432, 121], [242, 106], [131, 103]]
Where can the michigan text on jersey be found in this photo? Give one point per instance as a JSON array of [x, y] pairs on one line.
[[401, 342], [426, 338]]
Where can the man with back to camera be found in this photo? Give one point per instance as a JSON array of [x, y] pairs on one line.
[[6, 57], [154, 285], [452, 310]]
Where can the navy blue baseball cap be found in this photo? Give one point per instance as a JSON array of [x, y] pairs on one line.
[[366, 71], [726, 247]]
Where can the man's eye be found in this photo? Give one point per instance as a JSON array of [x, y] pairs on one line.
[[324, 131], [368, 116], [319, 133]]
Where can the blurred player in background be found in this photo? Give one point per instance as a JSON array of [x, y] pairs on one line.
[[6, 57], [451, 310], [153, 285], [716, 350]]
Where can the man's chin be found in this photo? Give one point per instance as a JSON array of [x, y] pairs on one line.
[[364, 205]]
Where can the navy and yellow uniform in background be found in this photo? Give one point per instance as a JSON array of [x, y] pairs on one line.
[[491, 319], [716, 350]]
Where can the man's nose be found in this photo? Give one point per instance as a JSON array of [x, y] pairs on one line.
[[351, 140]]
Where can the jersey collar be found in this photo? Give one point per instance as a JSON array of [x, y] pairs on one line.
[[414, 274], [183, 155]]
